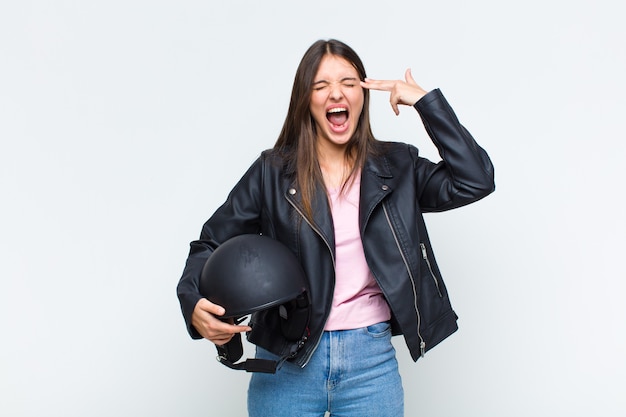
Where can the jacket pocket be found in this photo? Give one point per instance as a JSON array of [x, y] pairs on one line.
[[431, 272]]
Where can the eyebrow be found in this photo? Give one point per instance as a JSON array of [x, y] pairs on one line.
[[342, 80]]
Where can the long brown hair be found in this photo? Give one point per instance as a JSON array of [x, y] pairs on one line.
[[296, 141]]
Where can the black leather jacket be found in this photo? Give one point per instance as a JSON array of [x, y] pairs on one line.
[[397, 186]]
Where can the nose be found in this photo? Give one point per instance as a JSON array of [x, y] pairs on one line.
[[336, 92]]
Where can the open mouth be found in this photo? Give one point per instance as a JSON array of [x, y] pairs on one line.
[[338, 116]]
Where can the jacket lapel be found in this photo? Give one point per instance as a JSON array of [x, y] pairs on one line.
[[322, 217], [375, 185]]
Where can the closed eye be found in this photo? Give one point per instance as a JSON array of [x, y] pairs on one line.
[[348, 82]]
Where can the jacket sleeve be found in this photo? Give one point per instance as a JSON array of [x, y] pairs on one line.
[[465, 173], [240, 214]]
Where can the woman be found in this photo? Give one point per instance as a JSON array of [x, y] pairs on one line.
[[350, 207]]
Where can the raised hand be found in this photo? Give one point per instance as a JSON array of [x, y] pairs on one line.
[[402, 92]]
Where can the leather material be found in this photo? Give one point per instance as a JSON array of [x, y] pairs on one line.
[[397, 186]]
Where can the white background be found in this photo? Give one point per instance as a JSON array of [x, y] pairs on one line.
[[124, 123]]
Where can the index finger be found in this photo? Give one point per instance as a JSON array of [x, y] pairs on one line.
[[229, 326], [380, 85]]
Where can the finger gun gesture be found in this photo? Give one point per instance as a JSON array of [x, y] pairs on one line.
[[405, 92]]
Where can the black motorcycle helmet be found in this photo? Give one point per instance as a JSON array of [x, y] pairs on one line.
[[249, 274]]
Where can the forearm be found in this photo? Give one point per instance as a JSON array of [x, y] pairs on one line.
[[465, 173]]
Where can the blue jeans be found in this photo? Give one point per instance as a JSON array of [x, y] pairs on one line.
[[352, 373]]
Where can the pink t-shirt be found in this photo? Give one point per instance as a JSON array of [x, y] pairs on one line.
[[358, 300]]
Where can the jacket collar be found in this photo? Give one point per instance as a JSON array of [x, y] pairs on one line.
[[378, 165]]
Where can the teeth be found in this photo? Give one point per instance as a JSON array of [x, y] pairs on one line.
[[337, 110]]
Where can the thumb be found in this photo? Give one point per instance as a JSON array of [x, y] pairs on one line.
[[211, 307], [409, 77]]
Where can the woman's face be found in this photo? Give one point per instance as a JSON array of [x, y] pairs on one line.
[[336, 101]]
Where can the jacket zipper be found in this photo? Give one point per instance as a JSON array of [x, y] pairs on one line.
[[406, 265], [332, 256], [430, 268]]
